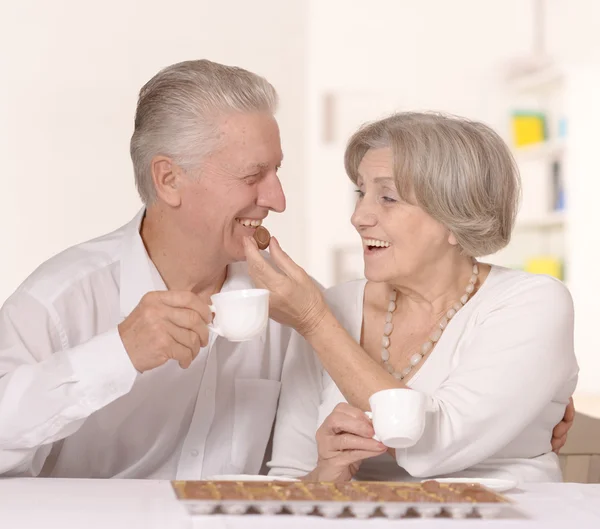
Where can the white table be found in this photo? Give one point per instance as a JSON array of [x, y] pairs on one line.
[[145, 504]]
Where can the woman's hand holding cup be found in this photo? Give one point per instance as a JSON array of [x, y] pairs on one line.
[[344, 440]]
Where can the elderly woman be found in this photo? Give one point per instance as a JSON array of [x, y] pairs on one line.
[[490, 346]]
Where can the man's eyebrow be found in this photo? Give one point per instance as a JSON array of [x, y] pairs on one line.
[[258, 166]]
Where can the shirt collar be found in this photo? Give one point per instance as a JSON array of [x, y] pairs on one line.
[[139, 275]]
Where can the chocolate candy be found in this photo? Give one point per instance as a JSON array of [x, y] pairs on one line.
[[364, 491], [262, 237], [430, 486]]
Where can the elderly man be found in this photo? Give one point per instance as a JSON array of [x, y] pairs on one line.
[[93, 343], [87, 385]]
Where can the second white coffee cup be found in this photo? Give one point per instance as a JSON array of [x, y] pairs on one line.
[[399, 416], [240, 315]]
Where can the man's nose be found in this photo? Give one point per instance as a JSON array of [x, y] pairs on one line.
[[270, 194]]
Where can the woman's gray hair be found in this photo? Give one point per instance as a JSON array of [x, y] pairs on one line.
[[461, 173], [179, 109]]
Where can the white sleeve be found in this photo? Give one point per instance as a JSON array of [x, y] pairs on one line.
[[294, 444], [519, 357], [47, 390]]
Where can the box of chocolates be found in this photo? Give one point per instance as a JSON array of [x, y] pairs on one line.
[[360, 499]]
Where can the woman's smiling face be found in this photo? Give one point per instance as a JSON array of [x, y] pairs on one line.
[[399, 238]]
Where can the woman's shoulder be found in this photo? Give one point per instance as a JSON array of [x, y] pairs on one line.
[[507, 287]]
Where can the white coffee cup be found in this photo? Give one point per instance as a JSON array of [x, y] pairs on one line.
[[240, 315], [399, 416]]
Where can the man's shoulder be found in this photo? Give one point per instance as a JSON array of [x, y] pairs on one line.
[[345, 300], [345, 292], [72, 265]]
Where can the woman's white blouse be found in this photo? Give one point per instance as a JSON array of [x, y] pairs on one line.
[[499, 378]]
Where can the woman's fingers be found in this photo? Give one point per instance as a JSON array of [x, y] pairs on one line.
[[283, 261], [347, 429], [260, 270], [348, 442], [339, 422]]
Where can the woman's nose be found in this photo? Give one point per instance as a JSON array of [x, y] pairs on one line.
[[363, 216]]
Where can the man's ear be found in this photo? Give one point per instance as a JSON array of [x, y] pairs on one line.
[[166, 177]]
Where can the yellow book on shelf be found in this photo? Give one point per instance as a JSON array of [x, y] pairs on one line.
[[551, 266], [528, 128]]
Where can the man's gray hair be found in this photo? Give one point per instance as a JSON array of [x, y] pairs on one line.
[[179, 111]]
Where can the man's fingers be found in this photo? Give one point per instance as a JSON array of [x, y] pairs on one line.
[[558, 443], [186, 300], [189, 320], [570, 412], [560, 429], [182, 354], [185, 337]]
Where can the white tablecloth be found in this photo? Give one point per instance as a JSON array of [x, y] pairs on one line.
[[145, 504]]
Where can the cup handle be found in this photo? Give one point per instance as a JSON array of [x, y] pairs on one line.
[[369, 414], [212, 326]]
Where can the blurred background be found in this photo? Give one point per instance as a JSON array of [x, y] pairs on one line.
[[71, 70]]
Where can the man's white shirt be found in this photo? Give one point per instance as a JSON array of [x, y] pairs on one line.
[[73, 405]]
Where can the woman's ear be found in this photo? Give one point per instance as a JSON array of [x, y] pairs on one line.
[[452, 239]]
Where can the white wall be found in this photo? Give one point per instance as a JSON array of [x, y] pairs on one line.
[[71, 71], [450, 56], [574, 39], [572, 29], [397, 55], [583, 190]]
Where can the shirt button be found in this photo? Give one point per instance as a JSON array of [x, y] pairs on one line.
[[194, 453]]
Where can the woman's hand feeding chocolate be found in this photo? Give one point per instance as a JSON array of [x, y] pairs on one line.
[[295, 298]]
